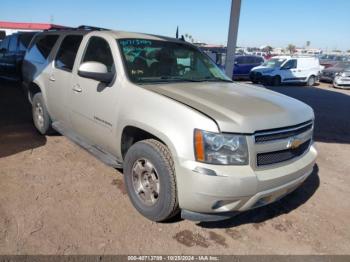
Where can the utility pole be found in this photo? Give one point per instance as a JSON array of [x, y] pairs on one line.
[[232, 37]]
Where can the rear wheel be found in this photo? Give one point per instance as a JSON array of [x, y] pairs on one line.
[[149, 175], [41, 118], [311, 81]]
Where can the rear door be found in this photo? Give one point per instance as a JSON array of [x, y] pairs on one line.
[[93, 103], [60, 77]]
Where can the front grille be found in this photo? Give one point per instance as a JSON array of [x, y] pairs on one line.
[[276, 135], [282, 155], [328, 74]]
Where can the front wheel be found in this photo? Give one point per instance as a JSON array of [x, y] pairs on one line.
[[149, 175]]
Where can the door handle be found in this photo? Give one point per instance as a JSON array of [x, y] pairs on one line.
[[52, 78], [77, 88]]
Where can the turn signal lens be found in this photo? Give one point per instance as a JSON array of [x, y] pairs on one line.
[[199, 145]]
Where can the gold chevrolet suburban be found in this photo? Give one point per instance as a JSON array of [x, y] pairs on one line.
[[188, 139]]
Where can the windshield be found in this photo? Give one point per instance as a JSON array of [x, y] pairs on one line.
[[342, 64], [274, 62], [153, 61]]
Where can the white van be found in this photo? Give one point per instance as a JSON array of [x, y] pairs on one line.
[[287, 69]]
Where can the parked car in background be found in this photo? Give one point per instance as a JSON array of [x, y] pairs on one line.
[[243, 65], [12, 50], [331, 60], [188, 138], [342, 79], [287, 69], [328, 74]]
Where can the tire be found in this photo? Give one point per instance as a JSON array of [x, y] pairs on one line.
[[149, 162], [41, 117], [276, 81], [311, 81]]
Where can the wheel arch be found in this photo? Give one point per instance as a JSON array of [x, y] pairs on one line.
[[34, 88], [133, 133]]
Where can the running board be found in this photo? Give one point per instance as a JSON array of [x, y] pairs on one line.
[[105, 157]]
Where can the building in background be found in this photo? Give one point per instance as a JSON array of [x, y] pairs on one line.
[[8, 28]]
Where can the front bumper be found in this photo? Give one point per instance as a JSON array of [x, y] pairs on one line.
[[327, 79], [228, 190]]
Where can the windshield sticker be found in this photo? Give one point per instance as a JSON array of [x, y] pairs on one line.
[[135, 42]]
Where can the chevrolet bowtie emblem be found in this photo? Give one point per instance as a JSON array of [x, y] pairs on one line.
[[294, 143]]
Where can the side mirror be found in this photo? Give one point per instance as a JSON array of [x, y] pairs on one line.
[[96, 71]]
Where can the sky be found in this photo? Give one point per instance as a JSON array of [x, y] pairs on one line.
[[325, 23]]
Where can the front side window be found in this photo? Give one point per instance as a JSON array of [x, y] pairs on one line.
[[41, 48], [274, 62], [153, 61], [291, 64], [67, 52], [98, 50]]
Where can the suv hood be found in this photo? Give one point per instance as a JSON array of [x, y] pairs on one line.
[[333, 69], [238, 108]]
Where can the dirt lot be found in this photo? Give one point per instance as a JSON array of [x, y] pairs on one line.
[[55, 198]]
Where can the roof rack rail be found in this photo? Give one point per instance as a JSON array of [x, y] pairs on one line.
[[92, 28], [59, 28], [81, 27]]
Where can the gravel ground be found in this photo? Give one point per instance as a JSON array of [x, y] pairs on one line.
[[55, 198]]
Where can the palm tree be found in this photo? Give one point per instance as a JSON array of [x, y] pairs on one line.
[[268, 49], [291, 48]]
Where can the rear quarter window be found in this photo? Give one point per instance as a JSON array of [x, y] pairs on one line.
[[41, 48]]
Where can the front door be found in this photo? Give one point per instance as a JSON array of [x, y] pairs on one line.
[[93, 103], [289, 72]]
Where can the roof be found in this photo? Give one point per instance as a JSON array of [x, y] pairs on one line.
[[124, 34], [28, 26], [117, 34]]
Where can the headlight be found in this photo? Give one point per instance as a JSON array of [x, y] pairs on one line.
[[220, 149], [339, 73]]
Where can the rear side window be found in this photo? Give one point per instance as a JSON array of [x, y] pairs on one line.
[[41, 48], [67, 52], [98, 50], [250, 60]]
